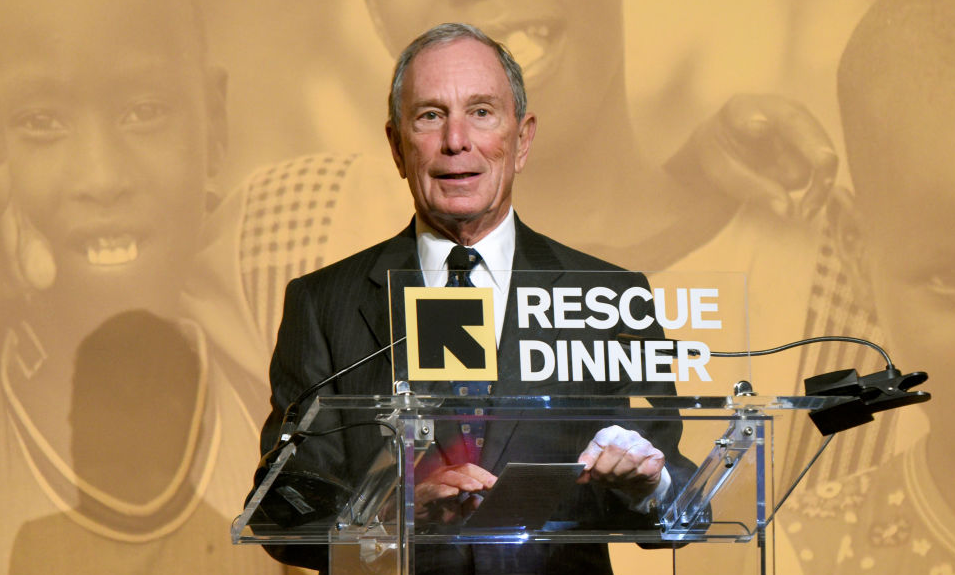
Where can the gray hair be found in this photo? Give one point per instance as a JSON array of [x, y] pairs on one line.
[[444, 34]]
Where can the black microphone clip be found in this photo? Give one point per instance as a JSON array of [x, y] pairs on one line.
[[879, 391]]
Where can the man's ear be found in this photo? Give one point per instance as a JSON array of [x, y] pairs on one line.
[[394, 140], [217, 81], [845, 222], [525, 136]]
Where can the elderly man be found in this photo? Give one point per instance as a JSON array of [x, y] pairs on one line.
[[459, 133]]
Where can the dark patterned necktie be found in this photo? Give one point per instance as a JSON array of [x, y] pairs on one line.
[[461, 261]]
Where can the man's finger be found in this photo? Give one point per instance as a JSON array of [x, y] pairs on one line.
[[651, 464], [589, 455], [607, 447], [632, 459], [613, 456], [467, 477], [426, 493], [483, 476], [603, 438]]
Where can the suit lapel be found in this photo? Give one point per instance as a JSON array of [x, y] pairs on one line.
[[531, 252], [399, 253]]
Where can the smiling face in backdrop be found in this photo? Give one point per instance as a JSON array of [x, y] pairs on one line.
[[108, 131]]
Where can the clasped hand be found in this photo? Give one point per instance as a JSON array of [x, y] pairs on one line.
[[624, 460]]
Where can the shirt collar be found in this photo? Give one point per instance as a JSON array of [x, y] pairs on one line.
[[496, 249]]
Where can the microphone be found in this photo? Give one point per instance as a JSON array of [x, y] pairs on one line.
[[298, 496]]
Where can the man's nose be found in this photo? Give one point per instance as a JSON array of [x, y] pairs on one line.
[[101, 163], [457, 138]]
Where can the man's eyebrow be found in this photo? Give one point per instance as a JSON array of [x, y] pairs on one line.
[[484, 99], [472, 100], [428, 103]]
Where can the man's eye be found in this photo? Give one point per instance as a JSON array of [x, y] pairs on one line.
[[144, 113], [40, 125], [429, 116], [482, 112]]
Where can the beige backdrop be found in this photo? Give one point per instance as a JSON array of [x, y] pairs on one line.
[[134, 382]]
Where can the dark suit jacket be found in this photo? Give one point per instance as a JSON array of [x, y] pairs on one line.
[[339, 314]]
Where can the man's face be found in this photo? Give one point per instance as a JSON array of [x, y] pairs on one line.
[[107, 137], [571, 52], [459, 144]]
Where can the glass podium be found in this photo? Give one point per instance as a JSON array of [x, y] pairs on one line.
[[575, 356], [732, 496]]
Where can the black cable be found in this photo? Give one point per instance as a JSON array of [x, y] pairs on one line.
[[823, 338], [819, 339], [377, 422], [315, 387], [290, 417]]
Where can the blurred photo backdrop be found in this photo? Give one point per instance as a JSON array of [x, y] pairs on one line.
[[166, 168]]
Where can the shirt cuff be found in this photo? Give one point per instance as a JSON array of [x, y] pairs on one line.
[[643, 506]]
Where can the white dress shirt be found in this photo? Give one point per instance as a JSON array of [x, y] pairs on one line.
[[493, 271]]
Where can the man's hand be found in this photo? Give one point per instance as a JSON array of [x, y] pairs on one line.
[[27, 260], [622, 459], [764, 149], [437, 498]]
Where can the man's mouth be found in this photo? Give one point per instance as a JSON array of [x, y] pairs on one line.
[[112, 250], [457, 176]]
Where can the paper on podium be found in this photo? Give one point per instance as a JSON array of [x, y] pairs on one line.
[[525, 496]]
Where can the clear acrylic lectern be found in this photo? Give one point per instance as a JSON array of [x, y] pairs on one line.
[[574, 354]]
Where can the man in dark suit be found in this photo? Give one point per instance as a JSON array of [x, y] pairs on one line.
[[459, 132]]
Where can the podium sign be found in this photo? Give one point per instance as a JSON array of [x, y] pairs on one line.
[[565, 326]]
